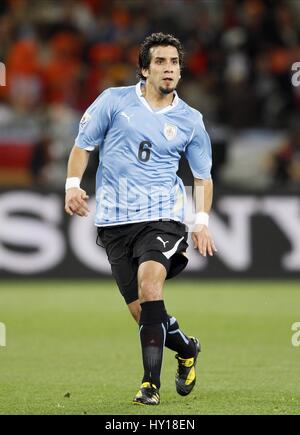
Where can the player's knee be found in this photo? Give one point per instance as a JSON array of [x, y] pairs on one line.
[[150, 289]]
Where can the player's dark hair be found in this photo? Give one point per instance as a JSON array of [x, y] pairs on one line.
[[155, 40]]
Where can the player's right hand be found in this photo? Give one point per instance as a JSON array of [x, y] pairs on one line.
[[76, 202]]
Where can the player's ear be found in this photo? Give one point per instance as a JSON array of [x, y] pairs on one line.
[[145, 72]]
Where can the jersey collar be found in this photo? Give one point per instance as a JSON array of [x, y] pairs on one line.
[[138, 89]]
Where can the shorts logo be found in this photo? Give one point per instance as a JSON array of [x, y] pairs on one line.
[[168, 254], [170, 131], [162, 241], [85, 119]]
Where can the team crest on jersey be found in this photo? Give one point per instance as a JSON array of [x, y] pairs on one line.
[[170, 131], [85, 119]]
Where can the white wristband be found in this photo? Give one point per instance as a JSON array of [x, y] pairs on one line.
[[72, 182], [202, 218]]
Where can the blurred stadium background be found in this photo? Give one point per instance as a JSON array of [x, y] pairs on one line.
[[58, 56]]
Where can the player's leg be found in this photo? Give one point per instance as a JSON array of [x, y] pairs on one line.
[[135, 310], [186, 348], [150, 247], [153, 327], [176, 339]]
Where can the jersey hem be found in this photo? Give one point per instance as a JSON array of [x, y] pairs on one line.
[[136, 222]]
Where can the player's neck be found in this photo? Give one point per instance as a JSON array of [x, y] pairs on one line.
[[155, 99]]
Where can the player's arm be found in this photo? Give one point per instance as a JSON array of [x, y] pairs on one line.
[[92, 129], [76, 198], [199, 156], [202, 239]]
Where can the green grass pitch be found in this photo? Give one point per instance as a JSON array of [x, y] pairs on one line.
[[72, 348]]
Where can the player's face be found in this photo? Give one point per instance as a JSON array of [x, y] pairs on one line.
[[164, 70]]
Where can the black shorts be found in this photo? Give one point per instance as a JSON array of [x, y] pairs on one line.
[[129, 245]]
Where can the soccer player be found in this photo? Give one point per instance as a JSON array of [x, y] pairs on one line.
[[141, 132]]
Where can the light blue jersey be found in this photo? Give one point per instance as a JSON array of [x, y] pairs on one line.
[[139, 153]]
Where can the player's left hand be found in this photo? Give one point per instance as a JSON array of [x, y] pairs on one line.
[[203, 240]]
